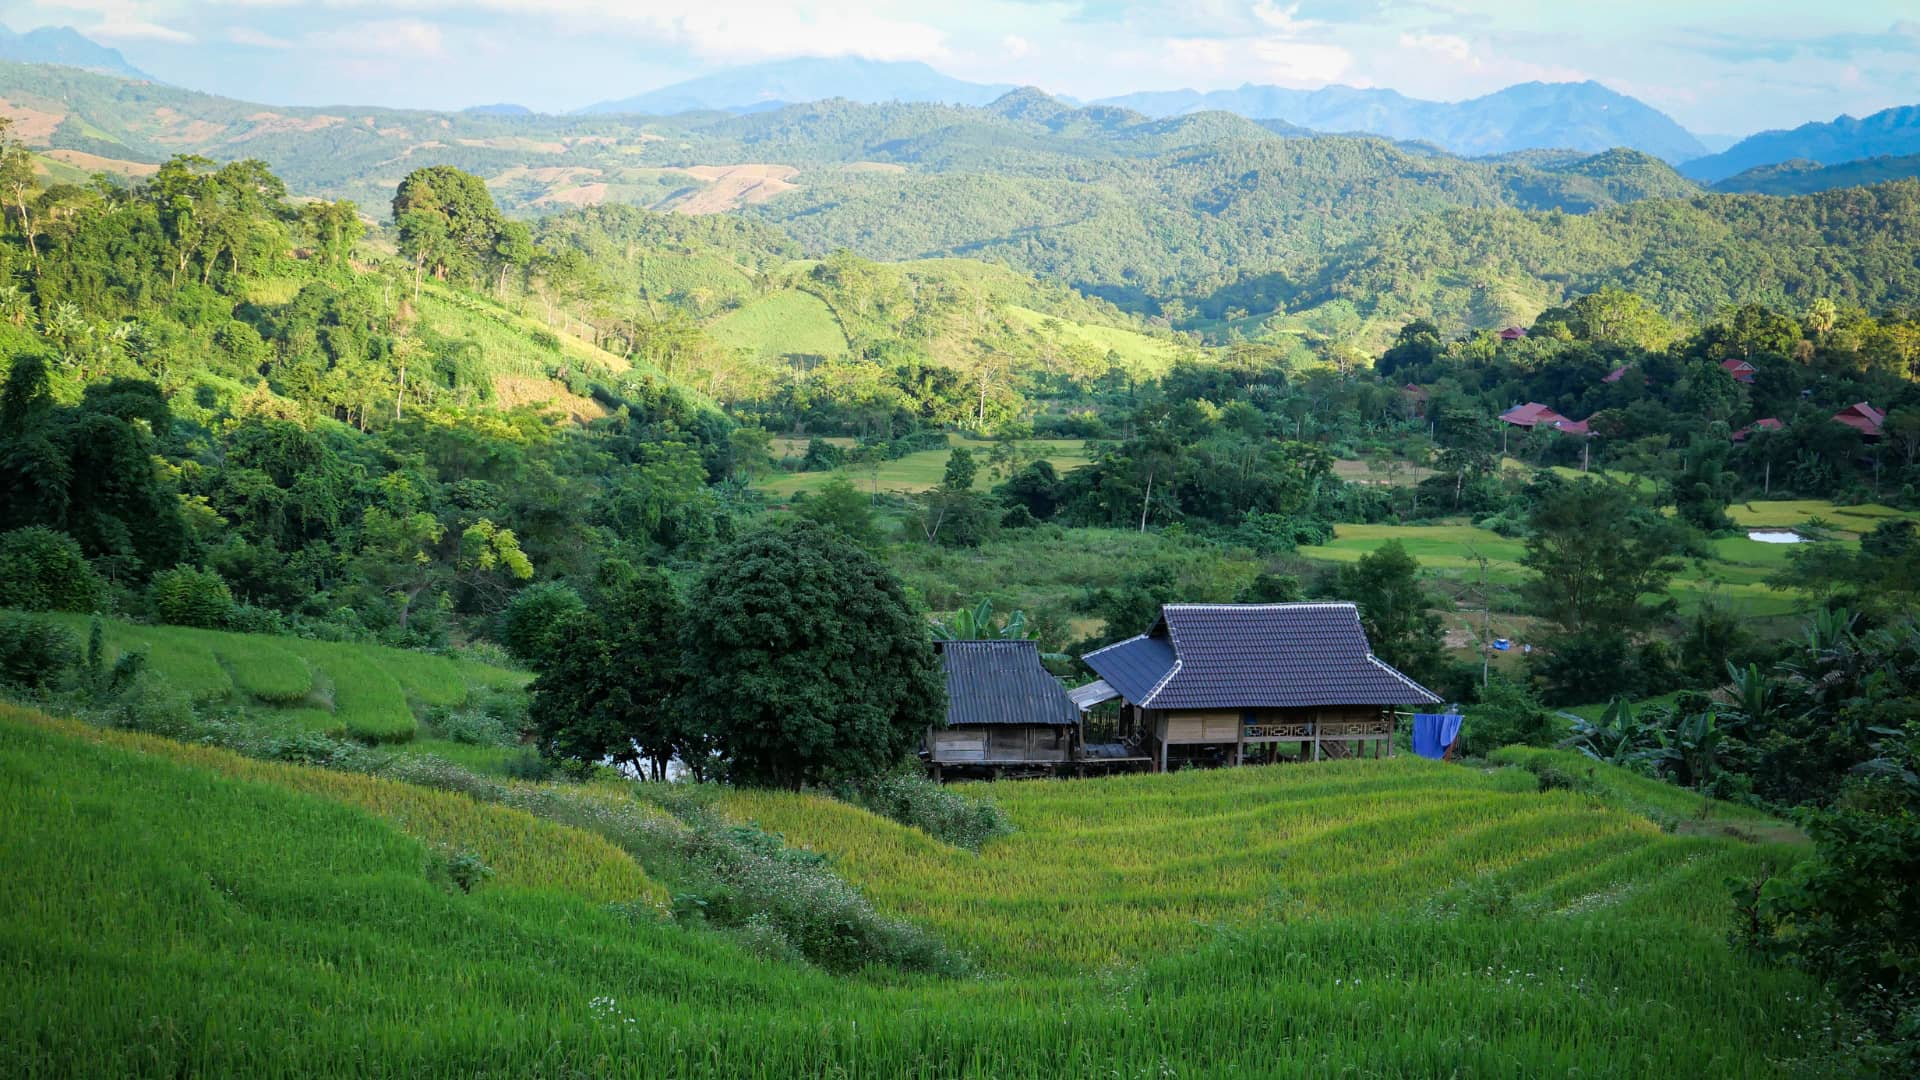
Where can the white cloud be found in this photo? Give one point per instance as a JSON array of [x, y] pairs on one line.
[[244, 35], [1450, 47], [382, 37], [137, 30], [1298, 62], [1015, 47]]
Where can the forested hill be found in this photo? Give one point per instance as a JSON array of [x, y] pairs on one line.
[[1688, 257], [1894, 131], [1801, 176]]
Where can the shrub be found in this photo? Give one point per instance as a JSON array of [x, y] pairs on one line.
[[35, 655], [153, 705], [1507, 715], [44, 570], [530, 621], [186, 596], [911, 799], [473, 727]]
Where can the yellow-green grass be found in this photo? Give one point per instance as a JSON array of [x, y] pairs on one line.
[[782, 324], [168, 917], [1675, 807], [366, 691], [924, 470], [1737, 581], [1788, 513], [1140, 355], [1112, 871], [519, 848]]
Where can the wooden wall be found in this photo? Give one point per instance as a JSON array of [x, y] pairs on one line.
[[987, 743]]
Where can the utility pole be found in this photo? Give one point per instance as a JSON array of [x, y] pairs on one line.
[[1486, 619]]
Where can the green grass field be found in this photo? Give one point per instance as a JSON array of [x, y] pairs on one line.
[[782, 324], [921, 471], [365, 691], [175, 910], [1735, 578], [1142, 356]]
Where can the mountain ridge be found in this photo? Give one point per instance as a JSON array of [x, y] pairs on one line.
[[1586, 116], [68, 47], [1890, 132], [799, 80]]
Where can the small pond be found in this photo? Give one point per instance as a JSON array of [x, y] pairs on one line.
[[1776, 536]]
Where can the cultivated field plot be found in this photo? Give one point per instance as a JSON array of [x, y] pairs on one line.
[[177, 911], [921, 471], [365, 691], [1113, 871], [1736, 577]]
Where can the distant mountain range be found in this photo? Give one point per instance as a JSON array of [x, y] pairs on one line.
[[1585, 117], [1575, 116], [807, 78], [1888, 132], [65, 45]]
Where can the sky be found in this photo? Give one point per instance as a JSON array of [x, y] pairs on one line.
[[1717, 66]]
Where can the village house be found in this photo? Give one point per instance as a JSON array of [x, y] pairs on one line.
[[1005, 712], [1513, 333], [1765, 423], [1225, 683], [1862, 418], [1740, 370]]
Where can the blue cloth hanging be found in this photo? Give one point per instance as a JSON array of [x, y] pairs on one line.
[[1434, 732]]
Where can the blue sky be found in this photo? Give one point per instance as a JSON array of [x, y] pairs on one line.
[[1718, 66]]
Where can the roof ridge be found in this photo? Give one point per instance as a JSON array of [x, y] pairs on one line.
[[1146, 702], [1398, 674], [1115, 645], [1250, 607]]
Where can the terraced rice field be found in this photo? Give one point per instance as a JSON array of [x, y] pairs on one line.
[[1119, 870], [177, 911]]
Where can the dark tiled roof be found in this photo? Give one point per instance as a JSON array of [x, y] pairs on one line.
[[1002, 682], [1248, 656], [1134, 666]]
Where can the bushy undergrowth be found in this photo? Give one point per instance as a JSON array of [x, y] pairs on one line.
[[911, 799]]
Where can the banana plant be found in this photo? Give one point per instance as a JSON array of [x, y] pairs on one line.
[[977, 624]]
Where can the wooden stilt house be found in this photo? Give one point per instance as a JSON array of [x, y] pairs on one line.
[[1225, 683], [1005, 712]]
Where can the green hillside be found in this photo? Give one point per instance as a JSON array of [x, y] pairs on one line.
[[176, 909], [783, 324], [364, 691]]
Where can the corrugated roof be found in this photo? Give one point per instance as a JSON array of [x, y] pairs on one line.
[[1002, 682], [1093, 693], [1250, 656], [1134, 666]]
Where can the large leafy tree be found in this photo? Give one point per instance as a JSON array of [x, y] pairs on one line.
[[1596, 552], [1394, 609], [807, 662], [608, 678]]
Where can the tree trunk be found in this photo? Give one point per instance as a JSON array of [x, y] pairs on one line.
[[1146, 501]]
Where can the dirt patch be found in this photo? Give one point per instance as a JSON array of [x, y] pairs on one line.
[[514, 391], [95, 163], [548, 174], [730, 187], [30, 125], [585, 195], [512, 142], [180, 129], [269, 123]]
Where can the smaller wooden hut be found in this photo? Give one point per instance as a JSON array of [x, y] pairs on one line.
[[1006, 714]]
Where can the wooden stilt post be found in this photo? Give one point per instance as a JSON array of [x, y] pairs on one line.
[[1316, 738]]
